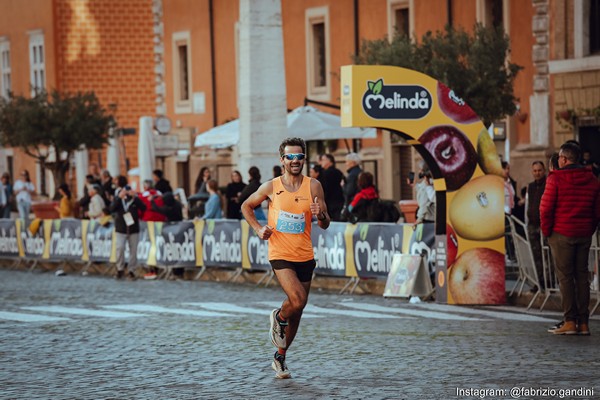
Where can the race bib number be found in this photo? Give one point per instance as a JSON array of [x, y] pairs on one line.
[[290, 223]]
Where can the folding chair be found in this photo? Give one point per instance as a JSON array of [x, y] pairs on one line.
[[595, 265], [525, 259]]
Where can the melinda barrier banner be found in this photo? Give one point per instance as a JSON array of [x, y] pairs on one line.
[[344, 250]]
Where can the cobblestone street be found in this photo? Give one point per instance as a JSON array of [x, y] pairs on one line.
[[97, 338]]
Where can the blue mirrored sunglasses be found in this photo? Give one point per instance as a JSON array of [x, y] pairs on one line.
[[294, 156]]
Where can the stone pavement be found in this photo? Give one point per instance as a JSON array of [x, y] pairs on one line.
[[92, 337]]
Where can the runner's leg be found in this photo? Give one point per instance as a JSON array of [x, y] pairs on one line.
[[297, 297]]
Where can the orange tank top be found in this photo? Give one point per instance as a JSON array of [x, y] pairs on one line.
[[290, 217]]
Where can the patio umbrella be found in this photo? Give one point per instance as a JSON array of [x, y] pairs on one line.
[[146, 158], [113, 158], [310, 123], [220, 136], [81, 169]]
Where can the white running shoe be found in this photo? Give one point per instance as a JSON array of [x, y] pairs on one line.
[[277, 331], [281, 369]]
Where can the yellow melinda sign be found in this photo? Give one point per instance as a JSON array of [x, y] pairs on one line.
[[463, 160]]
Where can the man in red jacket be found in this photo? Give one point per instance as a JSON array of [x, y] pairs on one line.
[[569, 215]]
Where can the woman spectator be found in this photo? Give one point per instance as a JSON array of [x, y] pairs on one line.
[[253, 185], [108, 188], [65, 207], [149, 195], [425, 197], [24, 189], [510, 189], [212, 209], [8, 191], [201, 182], [3, 200], [234, 189], [358, 209]]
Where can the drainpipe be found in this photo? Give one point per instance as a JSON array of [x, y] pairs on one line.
[[449, 8], [212, 60], [356, 50], [356, 34]]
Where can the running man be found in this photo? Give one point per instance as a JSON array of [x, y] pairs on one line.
[[293, 200]]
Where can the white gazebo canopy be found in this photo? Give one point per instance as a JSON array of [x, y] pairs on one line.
[[306, 122]]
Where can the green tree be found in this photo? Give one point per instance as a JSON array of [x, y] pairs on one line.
[[474, 66], [55, 123]]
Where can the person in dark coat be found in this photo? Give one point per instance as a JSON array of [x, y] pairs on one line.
[[352, 172], [251, 187], [171, 208], [535, 190], [126, 207], [160, 183], [108, 188], [232, 193], [331, 179]]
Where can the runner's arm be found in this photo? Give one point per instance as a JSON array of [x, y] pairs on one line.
[[318, 206], [248, 206]]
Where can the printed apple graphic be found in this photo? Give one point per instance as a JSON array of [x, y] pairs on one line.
[[454, 107], [477, 277], [488, 155], [451, 245], [477, 209], [453, 153]]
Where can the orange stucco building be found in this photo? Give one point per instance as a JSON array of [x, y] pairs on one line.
[[181, 59]]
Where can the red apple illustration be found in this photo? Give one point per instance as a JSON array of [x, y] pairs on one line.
[[455, 107], [451, 245], [477, 277], [453, 152]]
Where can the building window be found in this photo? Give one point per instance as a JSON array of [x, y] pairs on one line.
[[491, 13], [399, 18], [182, 72], [585, 39], [317, 53], [37, 62], [5, 82], [594, 27], [586, 22]]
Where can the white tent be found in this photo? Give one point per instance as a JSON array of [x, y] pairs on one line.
[[146, 159], [220, 136], [306, 122]]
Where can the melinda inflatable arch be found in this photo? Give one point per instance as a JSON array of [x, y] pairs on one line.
[[465, 166]]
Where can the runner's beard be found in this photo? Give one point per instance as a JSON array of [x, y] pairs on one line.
[[288, 168]]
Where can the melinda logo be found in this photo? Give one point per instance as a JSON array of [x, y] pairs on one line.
[[396, 101]]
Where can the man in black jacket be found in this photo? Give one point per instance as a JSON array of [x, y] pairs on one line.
[[331, 179], [352, 170], [535, 190], [125, 209]]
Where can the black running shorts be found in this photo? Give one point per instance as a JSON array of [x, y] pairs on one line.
[[304, 269]]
